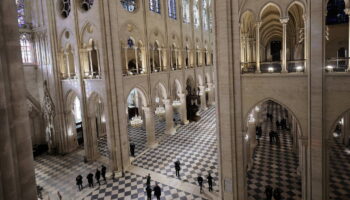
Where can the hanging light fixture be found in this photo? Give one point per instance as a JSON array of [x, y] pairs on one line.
[[176, 104], [136, 121], [160, 111]]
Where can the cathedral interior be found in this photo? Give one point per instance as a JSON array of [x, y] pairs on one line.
[[250, 96]]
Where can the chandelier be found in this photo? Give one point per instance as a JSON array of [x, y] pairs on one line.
[[160, 111], [176, 104], [207, 90], [136, 121]]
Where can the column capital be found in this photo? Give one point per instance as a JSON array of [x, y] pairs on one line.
[[258, 23], [284, 20]]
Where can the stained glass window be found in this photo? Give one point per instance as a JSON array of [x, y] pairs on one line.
[[196, 14], [186, 11], [205, 15], [26, 48], [20, 12], [154, 5], [172, 8]]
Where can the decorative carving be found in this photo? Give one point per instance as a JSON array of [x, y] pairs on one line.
[[86, 4], [49, 114], [65, 8], [130, 27]]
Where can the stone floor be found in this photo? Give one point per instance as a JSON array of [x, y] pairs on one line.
[[193, 144], [274, 165], [339, 171]]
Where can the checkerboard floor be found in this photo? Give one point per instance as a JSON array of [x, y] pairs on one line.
[[103, 146], [339, 171], [133, 186], [274, 165], [194, 145], [58, 173]]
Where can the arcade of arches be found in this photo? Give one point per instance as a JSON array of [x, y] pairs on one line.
[[253, 93]]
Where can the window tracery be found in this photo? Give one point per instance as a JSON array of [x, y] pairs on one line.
[[65, 8], [186, 11], [196, 14], [26, 48], [154, 5], [87, 4], [172, 9], [205, 15], [20, 13]]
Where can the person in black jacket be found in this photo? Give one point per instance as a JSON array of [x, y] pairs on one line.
[[103, 173], [200, 182], [157, 191], [268, 192], [79, 180], [90, 178], [132, 149], [210, 182], [149, 192], [148, 180], [98, 176], [177, 168]]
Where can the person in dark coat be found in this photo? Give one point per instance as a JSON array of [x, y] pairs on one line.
[[157, 191], [271, 136], [132, 149], [210, 182], [177, 168], [103, 173], [278, 124], [79, 180], [268, 192], [277, 194], [149, 192], [90, 178], [148, 180], [200, 183], [98, 176]]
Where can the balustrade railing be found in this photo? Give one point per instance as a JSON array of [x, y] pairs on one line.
[[296, 66], [337, 64], [271, 67]]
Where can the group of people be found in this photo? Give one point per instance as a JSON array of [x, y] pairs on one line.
[[90, 178], [281, 124], [275, 193], [274, 138], [200, 179], [210, 182], [156, 189]]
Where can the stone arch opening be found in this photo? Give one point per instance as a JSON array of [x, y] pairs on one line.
[[97, 123], [339, 157], [74, 122], [274, 146]]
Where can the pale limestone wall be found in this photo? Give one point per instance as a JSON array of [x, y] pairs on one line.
[[289, 91]]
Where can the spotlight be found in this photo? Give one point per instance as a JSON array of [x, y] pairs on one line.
[[270, 69], [299, 68]]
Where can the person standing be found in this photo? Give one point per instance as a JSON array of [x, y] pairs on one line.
[[103, 173], [132, 149], [157, 191], [268, 192], [79, 180], [200, 182], [90, 178], [148, 180], [210, 182], [149, 192], [177, 168], [98, 176], [59, 195]]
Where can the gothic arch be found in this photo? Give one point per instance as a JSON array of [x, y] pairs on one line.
[[245, 117], [163, 89], [268, 4], [142, 92]]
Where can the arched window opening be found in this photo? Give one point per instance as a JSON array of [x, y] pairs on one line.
[[154, 5], [172, 9], [186, 11], [174, 57], [93, 62], [68, 63], [134, 58], [156, 60], [196, 19], [26, 48], [205, 15]]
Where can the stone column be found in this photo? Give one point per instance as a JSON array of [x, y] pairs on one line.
[[136, 60], [346, 128], [284, 22], [150, 125], [91, 70], [183, 108], [211, 93], [251, 140], [302, 169], [347, 11], [203, 99], [126, 60], [306, 47], [17, 177], [169, 116], [257, 47]]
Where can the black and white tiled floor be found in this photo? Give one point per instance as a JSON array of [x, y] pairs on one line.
[[194, 145], [133, 186], [103, 146], [274, 165], [339, 171]]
